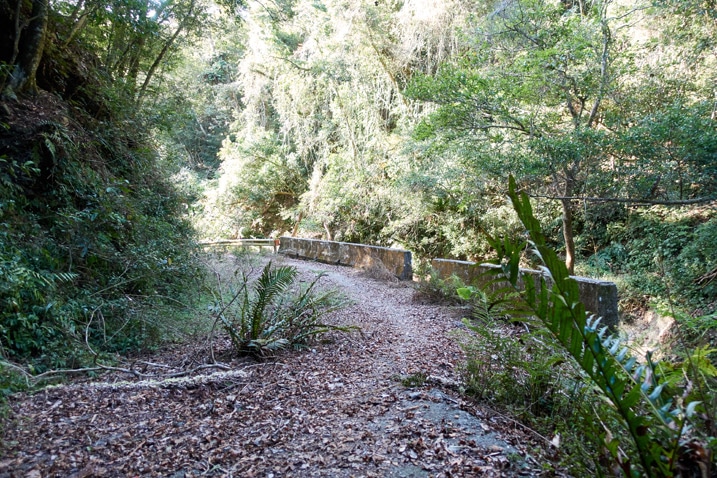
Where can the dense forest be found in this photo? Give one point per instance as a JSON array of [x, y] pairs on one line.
[[130, 130], [397, 123]]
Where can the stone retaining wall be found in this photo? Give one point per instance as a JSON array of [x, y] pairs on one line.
[[396, 261], [598, 297]]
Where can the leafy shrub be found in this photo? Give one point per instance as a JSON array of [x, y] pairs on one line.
[[509, 362], [11, 380], [518, 368], [608, 259], [695, 273], [266, 316], [29, 318], [91, 233], [667, 251], [434, 289]]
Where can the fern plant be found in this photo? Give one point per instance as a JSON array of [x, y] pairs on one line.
[[656, 423], [266, 316], [27, 303]]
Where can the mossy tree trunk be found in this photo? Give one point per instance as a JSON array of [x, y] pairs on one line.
[[28, 32]]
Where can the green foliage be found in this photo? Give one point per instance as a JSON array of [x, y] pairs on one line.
[[11, 380], [564, 99], [503, 366], [415, 380], [520, 371], [266, 316], [434, 289], [655, 421], [27, 326], [661, 250], [679, 143], [191, 128], [267, 180], [519, 368], [396, 130], [693, 272], [134, 40], [91, 229], [314, 139]]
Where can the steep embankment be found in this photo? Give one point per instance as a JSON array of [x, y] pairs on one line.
[[89, 222]]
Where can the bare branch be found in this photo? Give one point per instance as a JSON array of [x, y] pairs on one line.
[[51, 373], [293, 63], [604, 75]]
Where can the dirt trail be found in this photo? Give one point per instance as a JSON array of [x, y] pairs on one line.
[[339, 410]]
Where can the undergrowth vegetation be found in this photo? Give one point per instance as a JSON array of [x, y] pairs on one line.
[[523, 372], [660, 252], [391, 123], [95, 255], [432, 288], [576, 383]]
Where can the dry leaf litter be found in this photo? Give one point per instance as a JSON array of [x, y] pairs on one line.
[[339, 409]]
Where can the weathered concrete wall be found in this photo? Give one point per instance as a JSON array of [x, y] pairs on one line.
[[598, 297], [396, 261]]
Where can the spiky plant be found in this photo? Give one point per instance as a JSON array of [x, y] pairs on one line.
[[655, 421], [266, 316]]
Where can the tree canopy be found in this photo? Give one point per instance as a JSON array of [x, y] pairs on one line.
[[397, 122]]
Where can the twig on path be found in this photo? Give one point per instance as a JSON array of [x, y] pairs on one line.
[[152, 364], [137, 448], [521, 425]]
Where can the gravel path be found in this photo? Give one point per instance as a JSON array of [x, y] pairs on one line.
[[342, 409]]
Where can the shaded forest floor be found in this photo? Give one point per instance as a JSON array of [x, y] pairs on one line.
[[382, 402]]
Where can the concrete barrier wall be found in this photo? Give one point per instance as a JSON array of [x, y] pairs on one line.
[[396, 261], [598, 297]]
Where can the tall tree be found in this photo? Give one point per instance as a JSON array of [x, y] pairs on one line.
[[550, 88], [326, 78]]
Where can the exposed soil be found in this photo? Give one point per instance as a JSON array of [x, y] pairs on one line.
[[343, 408]]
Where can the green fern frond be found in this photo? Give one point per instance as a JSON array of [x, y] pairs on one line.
[[65, 276], [271, 282]]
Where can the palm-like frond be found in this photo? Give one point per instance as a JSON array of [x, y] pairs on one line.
[[654, 422], [272, 282], [267, 317]]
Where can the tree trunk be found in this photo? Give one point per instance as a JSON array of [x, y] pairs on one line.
[[568, 235], [163, 52], [133, 70], [298, 223], [329, 236], [31, 46], [78, 19]]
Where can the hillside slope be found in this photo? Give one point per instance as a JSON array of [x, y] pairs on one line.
[[89, 222]]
